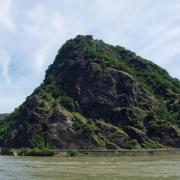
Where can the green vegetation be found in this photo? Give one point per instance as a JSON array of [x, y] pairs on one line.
[[5, 120], [68, 103], [39, 141], [152, 145], [3, 123], [2, 116], [89, 127], [35, 152]]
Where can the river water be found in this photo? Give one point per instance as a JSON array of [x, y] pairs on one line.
[[90, 168]]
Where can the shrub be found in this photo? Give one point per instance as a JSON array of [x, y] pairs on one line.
[[90, 127], [68, 103], [39, 141], [35, 152], [152, 145], [99, 141]]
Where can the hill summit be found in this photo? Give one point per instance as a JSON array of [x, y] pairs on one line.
[[98, 96]]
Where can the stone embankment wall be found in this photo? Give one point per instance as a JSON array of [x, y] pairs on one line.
[[142, 152]]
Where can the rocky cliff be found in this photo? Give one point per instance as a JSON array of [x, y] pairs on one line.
[[98, 96]]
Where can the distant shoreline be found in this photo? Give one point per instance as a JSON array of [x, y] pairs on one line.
[[70, 153]]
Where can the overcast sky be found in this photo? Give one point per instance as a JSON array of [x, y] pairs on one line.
[[31, 32]]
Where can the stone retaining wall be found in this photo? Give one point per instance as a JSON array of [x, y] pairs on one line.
[[139, 152]]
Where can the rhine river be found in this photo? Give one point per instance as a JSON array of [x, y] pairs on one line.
[[90, 168]]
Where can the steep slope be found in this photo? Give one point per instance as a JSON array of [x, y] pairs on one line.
[[3, 123], [98, 96], [2, 116]]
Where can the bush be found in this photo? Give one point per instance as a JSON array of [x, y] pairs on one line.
[[152, 145], [68, 103], [99, 141], [35, 152]]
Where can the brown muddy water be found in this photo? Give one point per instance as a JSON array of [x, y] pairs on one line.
[[90, 168]]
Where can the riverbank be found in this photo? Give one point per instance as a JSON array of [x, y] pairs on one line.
[[64, 153]]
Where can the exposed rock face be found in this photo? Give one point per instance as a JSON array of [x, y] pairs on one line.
[[98, 96]]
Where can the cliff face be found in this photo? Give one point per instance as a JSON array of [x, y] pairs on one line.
[[98, 96]]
